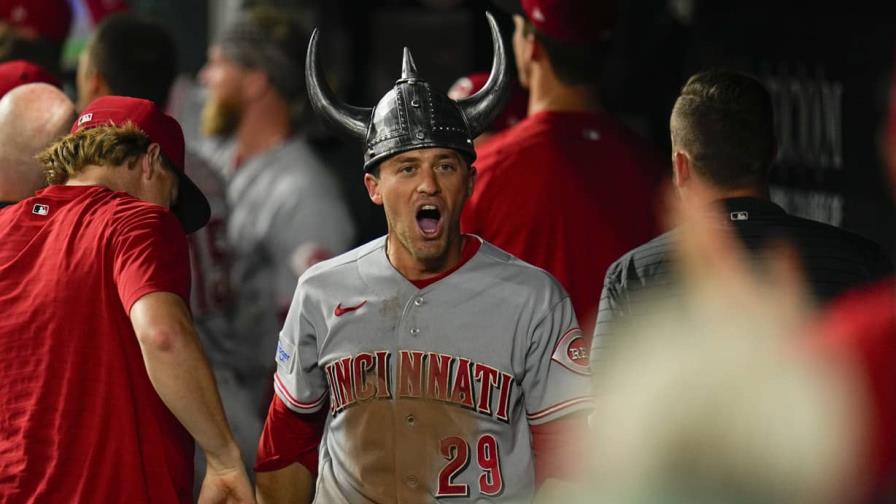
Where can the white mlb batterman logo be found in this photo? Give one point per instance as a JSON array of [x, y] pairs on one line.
[[740, 216], [84, 118], [40, 209]]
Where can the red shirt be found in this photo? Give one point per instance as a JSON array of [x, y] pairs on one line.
[[569, 192], [79, 418], [861, 327]]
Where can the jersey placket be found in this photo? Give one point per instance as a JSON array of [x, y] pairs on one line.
[[412, 465]]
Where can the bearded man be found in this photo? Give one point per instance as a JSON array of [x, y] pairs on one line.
[[286, 210]]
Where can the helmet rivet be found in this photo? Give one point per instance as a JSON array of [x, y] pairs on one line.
[[421, 135], [415, 102]]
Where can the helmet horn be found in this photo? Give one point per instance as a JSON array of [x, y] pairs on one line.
[[408, 67], [352, 121], [483, 107]]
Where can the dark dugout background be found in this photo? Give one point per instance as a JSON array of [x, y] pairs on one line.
[[827, 65], [828, 69]]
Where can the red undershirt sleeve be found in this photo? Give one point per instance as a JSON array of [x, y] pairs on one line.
[[290, 437], [558, 448]]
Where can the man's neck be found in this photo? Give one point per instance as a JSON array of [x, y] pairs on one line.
[[415, 269], [265, 124], [106, 176], [708, 195], [549, 94]]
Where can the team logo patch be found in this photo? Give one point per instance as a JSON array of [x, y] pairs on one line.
[[39, 209], [84, 118], [572, 352], [284, 354]]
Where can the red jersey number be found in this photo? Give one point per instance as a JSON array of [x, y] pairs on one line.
[[457, 452]]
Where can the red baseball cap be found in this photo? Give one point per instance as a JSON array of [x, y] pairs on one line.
[[570, 21], [191, 207], [17, 72], [49, 19], [515, 110], [99, 9]]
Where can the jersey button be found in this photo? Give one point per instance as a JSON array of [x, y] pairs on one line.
[[411, 481], [411, 420], [418, 301], [415, 331]]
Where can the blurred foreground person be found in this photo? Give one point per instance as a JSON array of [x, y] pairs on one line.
[[708, 399], [722, 148], [861, 328], [31, 117], [569, 188], [103, 384]]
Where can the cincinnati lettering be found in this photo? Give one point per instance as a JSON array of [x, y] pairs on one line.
[[420, 375]]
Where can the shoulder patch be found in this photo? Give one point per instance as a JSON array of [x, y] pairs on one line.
[[572, 352], [284, 357]]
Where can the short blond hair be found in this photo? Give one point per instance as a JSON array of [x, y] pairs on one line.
[[103, 145]]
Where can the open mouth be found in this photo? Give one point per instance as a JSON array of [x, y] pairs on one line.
[[429, 220]]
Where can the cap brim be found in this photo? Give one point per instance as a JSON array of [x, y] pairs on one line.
[[192, 208], [510, 6]]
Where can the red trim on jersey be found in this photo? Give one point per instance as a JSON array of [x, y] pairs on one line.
[[471, 246], [557, 407], [292, 400], [289, 437], [557, 448]]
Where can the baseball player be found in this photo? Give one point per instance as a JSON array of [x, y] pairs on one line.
[[434, 365], [590, 184], [104, 384], [277, 187]]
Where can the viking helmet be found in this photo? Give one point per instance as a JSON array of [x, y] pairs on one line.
[[412, 115]]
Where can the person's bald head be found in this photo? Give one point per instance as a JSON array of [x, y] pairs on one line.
[[32, 116]]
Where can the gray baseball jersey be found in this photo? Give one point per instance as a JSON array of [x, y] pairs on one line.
[[431, 391], [210, 294], [283, 204]]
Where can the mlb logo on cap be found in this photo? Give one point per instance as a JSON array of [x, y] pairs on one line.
[[84, 118]]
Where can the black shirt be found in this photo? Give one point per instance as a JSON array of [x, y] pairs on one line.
[[833, 260]]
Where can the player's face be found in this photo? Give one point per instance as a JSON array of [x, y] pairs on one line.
[[423, 193], [222, 78]]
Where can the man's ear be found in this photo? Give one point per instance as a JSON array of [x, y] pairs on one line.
[[533, 49], [373, 188], [98, 85], [148, 164], [681, 168]]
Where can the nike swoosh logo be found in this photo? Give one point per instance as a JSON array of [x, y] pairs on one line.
[[340, 310]]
